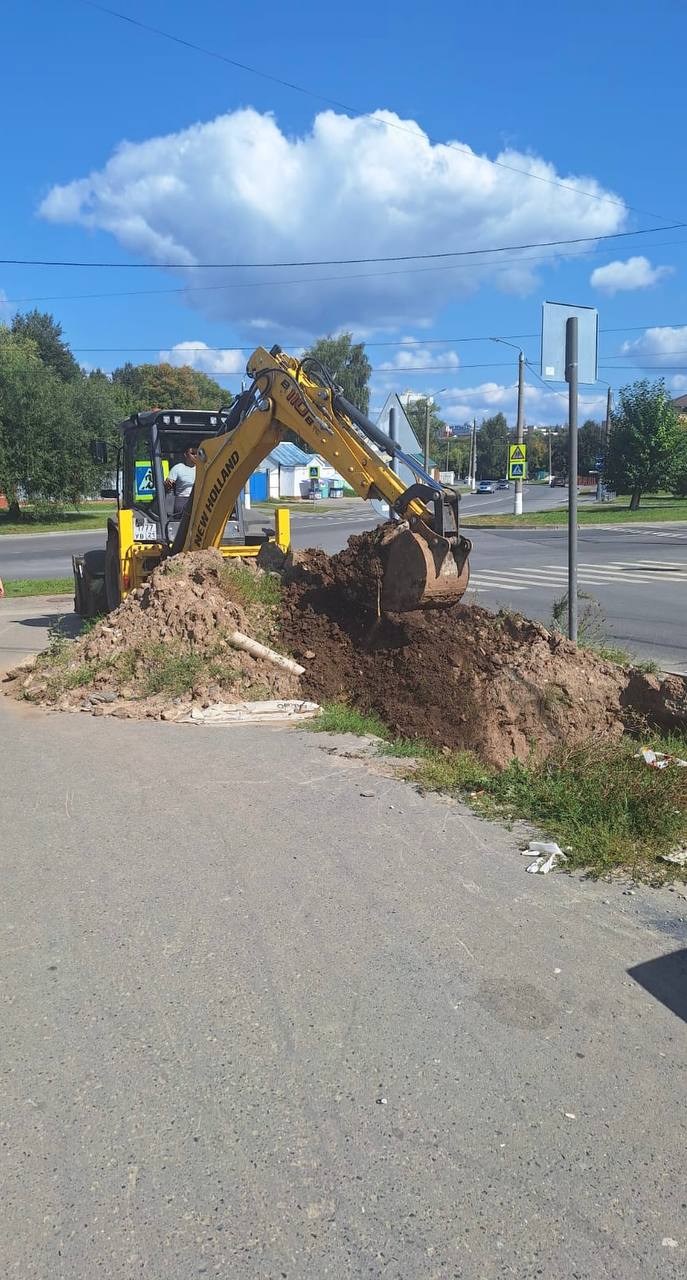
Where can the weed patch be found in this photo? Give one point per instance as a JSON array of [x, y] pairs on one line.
[[337, 717]]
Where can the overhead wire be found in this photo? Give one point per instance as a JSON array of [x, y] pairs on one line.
[[337, 262]]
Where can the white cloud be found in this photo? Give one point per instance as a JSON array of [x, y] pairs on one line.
[[662, 346], [678, 383], [200, 356], [237, 189], [635, 273], [542, 407], [418, 357]]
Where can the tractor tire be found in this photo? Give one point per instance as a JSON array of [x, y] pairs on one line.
[[113, 594], [89, 587]]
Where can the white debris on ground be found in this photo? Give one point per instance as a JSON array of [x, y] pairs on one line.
[[269, 711], [659, 759], [678, 858], [548, 856]]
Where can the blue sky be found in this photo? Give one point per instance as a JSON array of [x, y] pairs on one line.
[[121, 146]]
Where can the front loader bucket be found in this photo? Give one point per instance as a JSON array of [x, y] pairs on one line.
[[423, 568]]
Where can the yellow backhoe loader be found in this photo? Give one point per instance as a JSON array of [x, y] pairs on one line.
[[424, 555]]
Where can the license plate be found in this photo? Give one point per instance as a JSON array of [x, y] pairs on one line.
[[147, 532]]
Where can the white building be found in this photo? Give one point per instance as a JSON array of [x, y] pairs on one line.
[[286, 473]]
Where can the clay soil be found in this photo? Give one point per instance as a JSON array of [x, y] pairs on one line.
[[499, 685], [165, 647]]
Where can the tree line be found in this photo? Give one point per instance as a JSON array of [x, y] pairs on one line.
[[50, 410]]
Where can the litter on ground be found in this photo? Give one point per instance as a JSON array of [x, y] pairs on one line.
[[548, 853]]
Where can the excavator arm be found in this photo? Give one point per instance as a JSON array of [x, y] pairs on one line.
[[425, 557]]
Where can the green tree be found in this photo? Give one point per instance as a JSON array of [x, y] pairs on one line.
[[645, 441], [46, 425], [492, 448], [42, 329], [167, 386], [347, 363], [590, 446], [416, 413]]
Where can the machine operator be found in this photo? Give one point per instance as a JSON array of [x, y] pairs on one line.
[[181, 478]]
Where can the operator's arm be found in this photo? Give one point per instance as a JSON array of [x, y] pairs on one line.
[[171, 479]]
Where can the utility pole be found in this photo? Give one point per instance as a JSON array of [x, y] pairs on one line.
[[549, 453], [517, 496], [609, 407], [426, 433], [520, 423], [473, 455], [571, 379]]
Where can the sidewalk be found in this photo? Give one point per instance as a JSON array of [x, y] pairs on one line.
[[25, 624], [270, 1011]]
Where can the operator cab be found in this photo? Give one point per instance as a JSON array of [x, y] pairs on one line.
[[154, 442]]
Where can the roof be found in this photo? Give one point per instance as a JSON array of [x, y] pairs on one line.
[[680, 403], [288, 455]]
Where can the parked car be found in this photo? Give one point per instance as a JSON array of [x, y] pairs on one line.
[[486, 486], [559, 482], [503, 484]]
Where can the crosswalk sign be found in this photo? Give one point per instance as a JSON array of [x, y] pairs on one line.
[[144, 479], [517, 461]]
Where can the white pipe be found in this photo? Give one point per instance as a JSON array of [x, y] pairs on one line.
[[238, 640]]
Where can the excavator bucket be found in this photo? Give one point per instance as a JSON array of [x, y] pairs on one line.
[[421, 567]]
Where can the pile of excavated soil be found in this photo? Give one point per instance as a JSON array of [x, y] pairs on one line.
[[165, 646], [499, 685]]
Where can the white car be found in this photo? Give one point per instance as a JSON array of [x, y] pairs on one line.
[[486, 486]]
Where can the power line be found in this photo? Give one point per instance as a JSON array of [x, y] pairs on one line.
[[416, 368], [496, 265], [336, 262], [334, 102]]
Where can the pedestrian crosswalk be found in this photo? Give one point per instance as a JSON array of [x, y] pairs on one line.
[[612, 573]]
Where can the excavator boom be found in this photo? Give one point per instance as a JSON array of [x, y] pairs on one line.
[[425, 558]]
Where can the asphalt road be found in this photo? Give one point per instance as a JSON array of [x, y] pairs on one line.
[[50, 555], [633, 580], [271, 1014]]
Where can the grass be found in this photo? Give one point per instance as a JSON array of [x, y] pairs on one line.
[[45, 519], [653, 508], [338, 717], [39, 587], [248, 588], [606, 808]]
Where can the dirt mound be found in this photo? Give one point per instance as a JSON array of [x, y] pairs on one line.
[[166, 644], [499, 685]]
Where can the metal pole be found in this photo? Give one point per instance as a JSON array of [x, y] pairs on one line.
[[473, 471], [609, 406], [517, 496], [571, 379], [393, 433], [549, 453], [426, 433]]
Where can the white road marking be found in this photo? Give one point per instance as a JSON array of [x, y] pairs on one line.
[[620, 571]]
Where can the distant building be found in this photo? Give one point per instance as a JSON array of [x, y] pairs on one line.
[[285, 473], [680, 406], [404, 432]]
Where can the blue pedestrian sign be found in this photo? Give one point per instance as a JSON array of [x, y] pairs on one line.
[[144, 479]]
